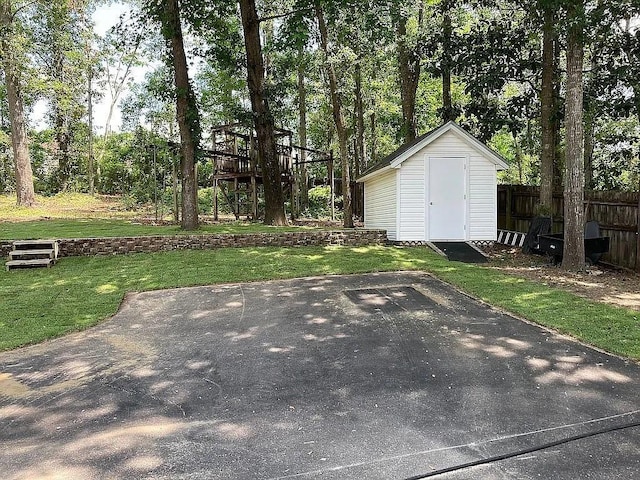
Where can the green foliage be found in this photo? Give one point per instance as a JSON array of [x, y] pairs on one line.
[[150, 103], [205, 200], [221, 95], [114, 160], [319, 203], [7, 180], [494, 51], [137, 165], [522, 166], [616, 157], [61, 36], [499, 60]]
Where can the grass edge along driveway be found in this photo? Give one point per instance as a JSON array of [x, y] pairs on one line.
[[81, 291]]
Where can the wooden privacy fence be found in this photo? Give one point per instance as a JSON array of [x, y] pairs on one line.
[[617, 212]]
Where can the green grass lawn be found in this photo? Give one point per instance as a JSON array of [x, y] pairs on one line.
[[81, 291], [104, 227]]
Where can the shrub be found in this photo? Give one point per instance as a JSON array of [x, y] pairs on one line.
[[319, 202]]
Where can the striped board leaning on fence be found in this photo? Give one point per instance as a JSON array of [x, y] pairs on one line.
[[507, 237]]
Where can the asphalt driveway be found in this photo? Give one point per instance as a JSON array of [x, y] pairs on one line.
[[381, 376]]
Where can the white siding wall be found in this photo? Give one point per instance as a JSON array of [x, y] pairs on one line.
[[483, 199], [380, 203], [412, 202]]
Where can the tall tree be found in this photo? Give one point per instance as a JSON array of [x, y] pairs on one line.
[[446, 62], [359, 121], [409, 58], [302, 129], [547, 110], [498, 63], [338, 117], [262, 118], [60, 39], [10, 46], [573, 253], [120, 48], [90, 58], [186, 112]]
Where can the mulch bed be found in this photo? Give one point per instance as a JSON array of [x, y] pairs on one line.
[[599, 283]]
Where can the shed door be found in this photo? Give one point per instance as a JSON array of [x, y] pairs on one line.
[[447, 203]]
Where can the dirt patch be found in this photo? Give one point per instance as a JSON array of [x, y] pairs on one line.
[[598, 283]]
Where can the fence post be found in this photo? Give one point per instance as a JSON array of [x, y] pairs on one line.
[[507, 213]]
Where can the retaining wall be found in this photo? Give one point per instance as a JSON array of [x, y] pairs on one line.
[[122, 245]]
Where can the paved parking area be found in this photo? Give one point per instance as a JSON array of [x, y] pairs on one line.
[[379, 376]]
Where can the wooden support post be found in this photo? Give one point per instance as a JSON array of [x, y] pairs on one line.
[[292, 198], [236, 202], [195, 173], [295, 190], [254, 197], [638, 234], [253, 165], [331, 183], [176, 203], [215, 196]]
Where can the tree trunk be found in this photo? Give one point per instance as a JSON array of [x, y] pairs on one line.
[[547, 113], [447, 31], [518, 155], [558, 160], [186, 113], [409, 69], [372, 127], [573, 253], [90, 60], [590, 98], [302, 132], [62, 130], [119, 82], [633, 57], [63, 142], [90, 166], [19, 141], [107, 123], [338, 118], [589, 131], [263, 121], [359, 163]]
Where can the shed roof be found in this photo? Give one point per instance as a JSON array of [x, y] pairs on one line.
[[394, 159]]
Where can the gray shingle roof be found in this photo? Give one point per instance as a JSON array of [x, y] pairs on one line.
[[388, 160]]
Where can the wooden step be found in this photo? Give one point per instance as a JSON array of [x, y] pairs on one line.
[[36, 253], [35, 262], [30, 244], [37, 245], [32, 253]]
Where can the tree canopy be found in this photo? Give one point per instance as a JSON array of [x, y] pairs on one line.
[[357, 78]]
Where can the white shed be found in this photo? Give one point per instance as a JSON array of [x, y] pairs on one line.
[[440, 187]]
